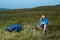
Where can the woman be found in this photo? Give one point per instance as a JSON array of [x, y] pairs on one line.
[[43, 22]]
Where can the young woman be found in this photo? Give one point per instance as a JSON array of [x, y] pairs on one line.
[[43, 22]]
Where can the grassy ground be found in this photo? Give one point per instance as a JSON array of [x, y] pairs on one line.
[[28, 19]]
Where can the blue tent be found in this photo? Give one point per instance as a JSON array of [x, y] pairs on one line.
[[14, 27]]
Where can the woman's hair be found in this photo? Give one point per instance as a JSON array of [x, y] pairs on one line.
[[43, 14]]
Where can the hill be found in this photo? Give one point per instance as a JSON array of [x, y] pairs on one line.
[[40, 8], [3, 9]]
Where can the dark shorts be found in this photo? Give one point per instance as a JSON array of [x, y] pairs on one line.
[[42, 26]]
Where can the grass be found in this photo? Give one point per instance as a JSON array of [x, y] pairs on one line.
[[29, 18]]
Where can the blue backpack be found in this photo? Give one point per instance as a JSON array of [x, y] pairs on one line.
[[14, 27]]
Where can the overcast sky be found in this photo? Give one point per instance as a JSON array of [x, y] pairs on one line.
[[26, 3]]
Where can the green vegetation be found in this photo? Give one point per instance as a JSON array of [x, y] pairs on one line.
[[29, 17]]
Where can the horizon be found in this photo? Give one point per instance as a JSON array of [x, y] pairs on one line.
[[29, 8], [20, 4]]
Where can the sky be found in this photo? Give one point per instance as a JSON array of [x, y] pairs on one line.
[[14, 4]]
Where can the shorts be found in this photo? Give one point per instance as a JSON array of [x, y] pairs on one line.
[[42, 25]]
